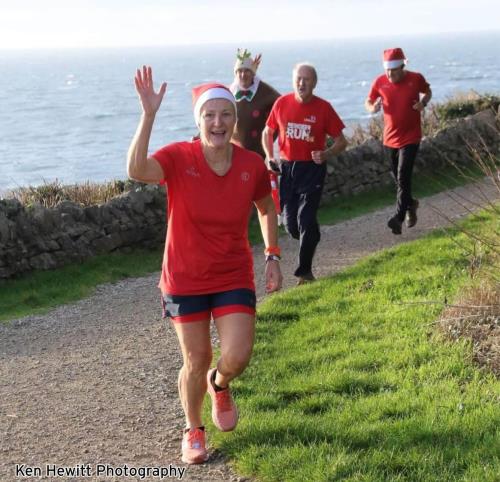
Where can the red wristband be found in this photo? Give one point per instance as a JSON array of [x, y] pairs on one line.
[[273, 250]]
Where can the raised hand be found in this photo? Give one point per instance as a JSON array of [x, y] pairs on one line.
[[150, 100]]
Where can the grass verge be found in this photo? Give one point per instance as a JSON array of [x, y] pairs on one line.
[[351, 381], [40, 291], [424, 184]]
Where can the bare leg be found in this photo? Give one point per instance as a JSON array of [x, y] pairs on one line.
[[236, 334], [194, 340]]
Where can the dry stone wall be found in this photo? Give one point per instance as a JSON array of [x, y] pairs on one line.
[[39, 238], [363, 168]]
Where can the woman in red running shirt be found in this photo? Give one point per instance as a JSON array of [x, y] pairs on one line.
[[207, 271]]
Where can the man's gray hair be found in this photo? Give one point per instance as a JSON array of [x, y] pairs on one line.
[[309, 66]]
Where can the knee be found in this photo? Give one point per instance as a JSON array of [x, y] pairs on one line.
[[292, 229], [403, 182], [310, 228], [235, 362], [197, 363], [294, 233]]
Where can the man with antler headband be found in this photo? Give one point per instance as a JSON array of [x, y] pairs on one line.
[[254, 100]]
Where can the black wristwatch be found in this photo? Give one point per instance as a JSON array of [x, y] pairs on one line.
[[274, 166], [272, 257]]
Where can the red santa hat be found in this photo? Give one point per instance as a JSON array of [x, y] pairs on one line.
[[206, 92], [394, 58]]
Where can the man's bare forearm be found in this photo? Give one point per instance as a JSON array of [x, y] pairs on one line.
[[268, 143], [339, 145]]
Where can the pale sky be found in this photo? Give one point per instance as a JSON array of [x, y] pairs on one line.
[[113, 23]]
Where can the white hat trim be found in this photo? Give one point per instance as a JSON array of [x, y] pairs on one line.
[[394, 64], [215, 93]]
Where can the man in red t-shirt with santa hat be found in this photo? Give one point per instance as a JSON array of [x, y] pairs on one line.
[[402, 95]]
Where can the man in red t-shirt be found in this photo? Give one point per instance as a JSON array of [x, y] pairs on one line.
[[302, 121], [398, 92]]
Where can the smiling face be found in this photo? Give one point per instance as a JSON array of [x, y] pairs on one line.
[[217, 121], [304, 82], [245, 77]]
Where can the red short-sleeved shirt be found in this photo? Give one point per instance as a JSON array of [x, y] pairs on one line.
[[303, 127], [402, 124], [207, 249]]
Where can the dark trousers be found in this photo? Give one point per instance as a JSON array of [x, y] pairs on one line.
[[301, 186], [401, 161]]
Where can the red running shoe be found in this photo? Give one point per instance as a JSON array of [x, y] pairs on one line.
[[194, 450], [224, 411]]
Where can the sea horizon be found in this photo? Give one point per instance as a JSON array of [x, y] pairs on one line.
[[399, 37]]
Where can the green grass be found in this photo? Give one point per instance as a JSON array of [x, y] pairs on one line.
[[424, 184], [343, 208], [38, 292], [349, 383]]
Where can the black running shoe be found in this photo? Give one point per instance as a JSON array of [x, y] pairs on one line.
[[411, 214], [307, 278], [395, 224]]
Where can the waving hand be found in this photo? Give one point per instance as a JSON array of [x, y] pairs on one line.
[[150, 100]]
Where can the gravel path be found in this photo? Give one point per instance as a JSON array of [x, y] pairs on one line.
[[94, 382]]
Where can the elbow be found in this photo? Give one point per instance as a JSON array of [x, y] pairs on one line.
[[132, 170], [266, 207], [267, 134], [270, 208], [130, 174], [340, 144]]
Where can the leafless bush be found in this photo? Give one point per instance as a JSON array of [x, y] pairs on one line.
[[476, 317], [361, 134], [476, 314], [49, 194]]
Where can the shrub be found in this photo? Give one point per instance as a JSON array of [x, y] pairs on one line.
[[49, 194]]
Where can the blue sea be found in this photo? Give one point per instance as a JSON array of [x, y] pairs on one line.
[[70, 114]]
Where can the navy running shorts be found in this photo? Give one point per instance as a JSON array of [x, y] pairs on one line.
[[186, 308]]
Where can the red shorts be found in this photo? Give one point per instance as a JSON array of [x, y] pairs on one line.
[[186, 308]]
